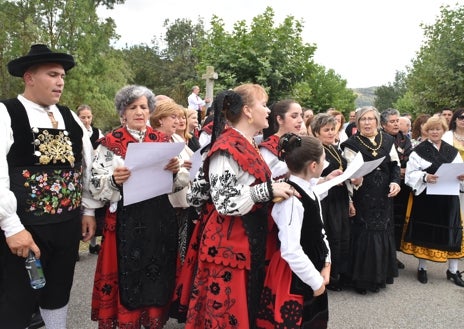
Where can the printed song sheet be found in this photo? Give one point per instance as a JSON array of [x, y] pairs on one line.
[[148, 178], [447, 182]]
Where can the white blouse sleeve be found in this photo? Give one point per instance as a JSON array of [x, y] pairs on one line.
[[230, 191], [278, 168], [102, 186], [9, 220], [288, 215]]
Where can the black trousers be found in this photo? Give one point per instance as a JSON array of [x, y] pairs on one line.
[[59, 244]]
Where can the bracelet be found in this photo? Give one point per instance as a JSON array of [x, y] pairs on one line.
[[424, 178], [270, 189], [114, 182]]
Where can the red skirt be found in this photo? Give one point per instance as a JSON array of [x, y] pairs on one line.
[[279, 308], [106, 306]]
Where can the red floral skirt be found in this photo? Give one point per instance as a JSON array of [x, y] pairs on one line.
[[279, 308]]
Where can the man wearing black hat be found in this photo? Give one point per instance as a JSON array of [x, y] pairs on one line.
[[45, 158]]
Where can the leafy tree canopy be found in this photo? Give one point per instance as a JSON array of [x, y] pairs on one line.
[[436, 78]]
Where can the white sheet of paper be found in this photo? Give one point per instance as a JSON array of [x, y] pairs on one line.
[[353, 167], [447, 183], [197, 161], [357, 168], [367, 167], [148, 179]]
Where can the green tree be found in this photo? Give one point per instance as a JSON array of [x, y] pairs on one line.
[[70, 26], [436, 78], [324, 89], [275, 57], [387, 95], [182, 38], [408, 103], [167, 66]]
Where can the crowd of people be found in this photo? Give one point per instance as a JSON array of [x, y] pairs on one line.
[[252, 241]]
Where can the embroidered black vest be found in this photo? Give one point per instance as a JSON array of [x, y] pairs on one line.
[[312, 240], [45, 167]]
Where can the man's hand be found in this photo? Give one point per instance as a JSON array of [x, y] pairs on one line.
[[89, 226], [20, 244]]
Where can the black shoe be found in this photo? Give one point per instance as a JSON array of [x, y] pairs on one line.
[[389, 280], [36, 321], [400, 264], [422, 276], [456, 277], [94, 249], [360, 291]]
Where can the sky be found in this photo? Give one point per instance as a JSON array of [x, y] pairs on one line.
[[364, 41]]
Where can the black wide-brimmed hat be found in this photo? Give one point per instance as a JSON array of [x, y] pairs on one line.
[[39, 54]]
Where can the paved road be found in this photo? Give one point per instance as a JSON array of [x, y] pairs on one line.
[[405, 304]]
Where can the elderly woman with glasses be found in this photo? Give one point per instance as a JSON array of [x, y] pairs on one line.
[[373, 254]]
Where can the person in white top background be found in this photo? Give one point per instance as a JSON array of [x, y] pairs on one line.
[[196, 103], [84, 112], [45, 157]]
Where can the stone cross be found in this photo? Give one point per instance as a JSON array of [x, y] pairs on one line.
[[209, 76]]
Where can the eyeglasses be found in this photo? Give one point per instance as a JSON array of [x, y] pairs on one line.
[[367, 119], [461, 117]]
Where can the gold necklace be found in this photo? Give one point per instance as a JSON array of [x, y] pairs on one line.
[[374, 150], [335, 155]]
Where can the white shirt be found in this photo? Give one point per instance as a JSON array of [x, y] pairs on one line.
[[415, 170], [9, 220], [195, 102], [288, 215]]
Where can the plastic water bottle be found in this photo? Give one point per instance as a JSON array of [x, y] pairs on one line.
[[35, 271]]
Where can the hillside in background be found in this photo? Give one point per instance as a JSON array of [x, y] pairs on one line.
[[365, 97]]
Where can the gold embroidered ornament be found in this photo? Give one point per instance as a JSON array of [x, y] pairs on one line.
[[53, 148]]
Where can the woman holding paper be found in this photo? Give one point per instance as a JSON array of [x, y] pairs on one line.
[[170, 119], [373, 252], [336, 206], [136, 267], [433, 228]]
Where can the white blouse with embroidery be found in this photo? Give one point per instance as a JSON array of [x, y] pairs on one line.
[[102, 186]]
